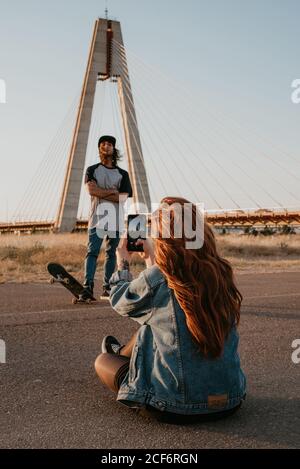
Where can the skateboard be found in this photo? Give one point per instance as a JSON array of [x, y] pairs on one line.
[[60, 275]]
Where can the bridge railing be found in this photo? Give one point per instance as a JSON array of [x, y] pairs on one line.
[[230, 218]]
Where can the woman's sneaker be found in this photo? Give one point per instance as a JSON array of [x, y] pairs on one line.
[[111, 345]]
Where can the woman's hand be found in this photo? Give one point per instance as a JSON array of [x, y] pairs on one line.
[[148, 253], [123, 255]]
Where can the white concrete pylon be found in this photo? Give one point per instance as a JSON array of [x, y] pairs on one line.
[[103, 63]]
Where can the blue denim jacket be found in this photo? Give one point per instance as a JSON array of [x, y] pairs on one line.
[[166, 369]]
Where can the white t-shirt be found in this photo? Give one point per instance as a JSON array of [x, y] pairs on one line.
[[102, 210]]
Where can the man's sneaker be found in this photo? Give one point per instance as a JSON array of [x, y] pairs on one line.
[[86, 294], [105, 294], [110, 345]]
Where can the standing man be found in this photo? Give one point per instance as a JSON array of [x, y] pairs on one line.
[[110, 186]]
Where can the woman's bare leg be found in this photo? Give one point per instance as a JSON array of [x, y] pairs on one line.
[[126, 350], [109, 366]]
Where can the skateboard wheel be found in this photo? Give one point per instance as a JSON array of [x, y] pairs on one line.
[[51, 280], [67, 281], [74, 301]]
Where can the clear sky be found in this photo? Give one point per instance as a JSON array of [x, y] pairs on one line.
[[239, 57]]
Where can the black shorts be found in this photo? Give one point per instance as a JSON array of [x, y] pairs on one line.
[[181, 419]]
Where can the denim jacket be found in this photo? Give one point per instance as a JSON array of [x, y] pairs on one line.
[[167, 371]]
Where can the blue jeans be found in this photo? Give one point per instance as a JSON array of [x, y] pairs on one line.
[[94, 246]]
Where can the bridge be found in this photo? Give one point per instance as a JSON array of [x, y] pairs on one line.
[[241, 219], [242, 179]]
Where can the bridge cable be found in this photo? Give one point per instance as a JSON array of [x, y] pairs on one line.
[[249, 177]]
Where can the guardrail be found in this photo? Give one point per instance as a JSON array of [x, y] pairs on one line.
[[223, 219]]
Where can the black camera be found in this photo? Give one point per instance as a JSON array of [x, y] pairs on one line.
[[136, 229]]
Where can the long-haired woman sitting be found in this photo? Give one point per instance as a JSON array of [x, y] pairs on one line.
[[182, 365]]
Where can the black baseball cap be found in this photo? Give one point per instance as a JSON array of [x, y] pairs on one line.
[[107, 138]]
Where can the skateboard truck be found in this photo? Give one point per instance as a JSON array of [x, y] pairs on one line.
[[78, 300], [59, 279]]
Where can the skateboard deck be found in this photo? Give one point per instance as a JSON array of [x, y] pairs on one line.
[[61, 275]]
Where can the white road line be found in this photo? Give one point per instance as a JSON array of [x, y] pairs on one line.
[[270, 296], [101, 308], [27, 313]]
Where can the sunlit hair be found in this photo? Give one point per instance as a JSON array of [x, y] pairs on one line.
[[116, 156], [201, 280]]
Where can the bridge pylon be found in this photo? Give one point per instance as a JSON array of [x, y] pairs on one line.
[[103, 63]]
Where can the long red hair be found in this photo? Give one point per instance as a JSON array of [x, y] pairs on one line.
[[201, 280]]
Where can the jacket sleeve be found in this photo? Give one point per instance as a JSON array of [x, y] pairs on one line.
[[129, 297]]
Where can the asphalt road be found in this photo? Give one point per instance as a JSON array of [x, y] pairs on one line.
[[51, 397]]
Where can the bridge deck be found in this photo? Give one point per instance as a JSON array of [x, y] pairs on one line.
[[235, 218]]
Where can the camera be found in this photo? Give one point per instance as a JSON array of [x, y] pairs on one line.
[[136, 229]]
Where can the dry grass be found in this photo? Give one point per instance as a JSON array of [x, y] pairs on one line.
[[282, 246], [24, 258]]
